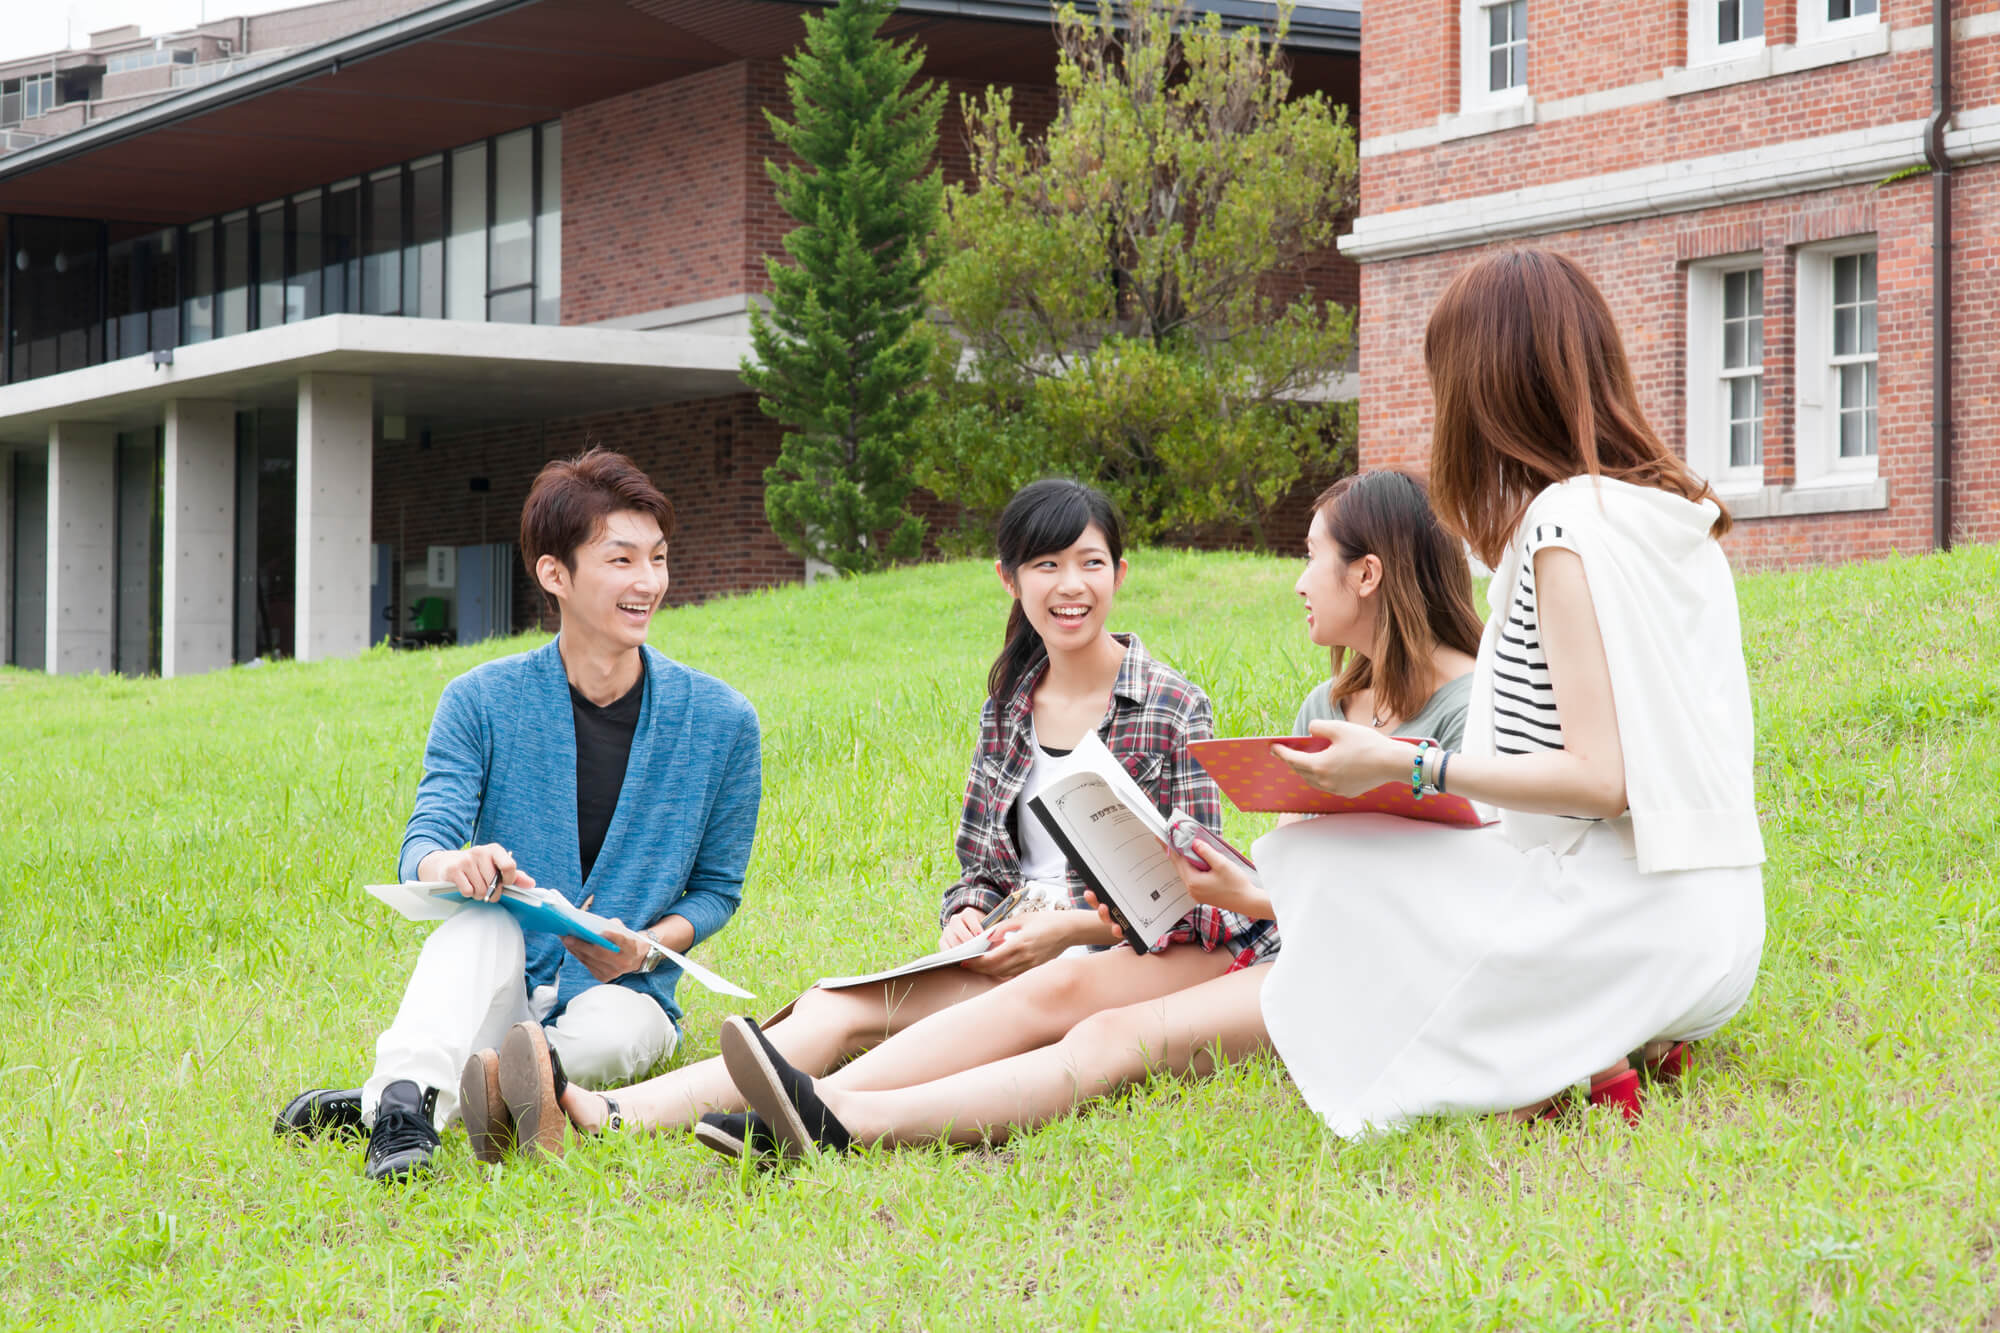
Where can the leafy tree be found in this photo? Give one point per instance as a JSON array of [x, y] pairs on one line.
[[1124, 293], [842, 357]]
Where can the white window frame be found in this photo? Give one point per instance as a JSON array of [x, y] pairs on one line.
[[1702, 46], [1707, 399], [1473, 70], [1816, 438], [1815, 26]]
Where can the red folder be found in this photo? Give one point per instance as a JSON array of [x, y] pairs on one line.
[[1257, 780]]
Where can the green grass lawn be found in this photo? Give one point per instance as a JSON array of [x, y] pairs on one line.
[[184, 944]]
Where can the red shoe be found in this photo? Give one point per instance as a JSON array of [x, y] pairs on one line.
[[1669, 1064], [1621, 1090]]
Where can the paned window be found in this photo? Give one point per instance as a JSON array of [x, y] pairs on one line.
[[1836, 10], [1743, 366], [1854, 354], [1738, 20], [1507, 45]]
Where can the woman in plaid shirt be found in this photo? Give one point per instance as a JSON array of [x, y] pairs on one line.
[[1388, 591], [1061, 674]]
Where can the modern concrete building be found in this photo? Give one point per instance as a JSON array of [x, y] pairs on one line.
[[284, 347]]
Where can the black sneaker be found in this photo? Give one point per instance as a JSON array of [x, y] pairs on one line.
[[331, 1111], [404, 1139], [727, 1132]]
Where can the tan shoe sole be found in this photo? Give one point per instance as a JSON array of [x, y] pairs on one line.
[[528, 1085], [488, 1123]]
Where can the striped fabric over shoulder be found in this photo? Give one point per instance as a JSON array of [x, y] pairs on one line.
[[1524, 702]]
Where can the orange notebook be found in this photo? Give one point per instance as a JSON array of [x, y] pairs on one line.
[[1257, 780]]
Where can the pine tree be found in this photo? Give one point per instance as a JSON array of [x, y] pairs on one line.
[[842, 356]]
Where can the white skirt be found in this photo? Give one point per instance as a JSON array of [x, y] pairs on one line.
[[1430, 970]]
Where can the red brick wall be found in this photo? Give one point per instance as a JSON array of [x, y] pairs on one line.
[[1641, 267], [1409, 78], [655, 197], [708, 455]]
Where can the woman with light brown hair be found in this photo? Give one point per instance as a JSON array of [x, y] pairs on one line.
[[1616, 907]]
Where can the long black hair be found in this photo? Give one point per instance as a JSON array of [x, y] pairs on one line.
[[1043, 517]]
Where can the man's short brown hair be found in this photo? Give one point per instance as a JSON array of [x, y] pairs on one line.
[[572, 497]]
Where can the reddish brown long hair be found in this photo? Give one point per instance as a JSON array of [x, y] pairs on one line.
[[1426, 590], [1532, 387]]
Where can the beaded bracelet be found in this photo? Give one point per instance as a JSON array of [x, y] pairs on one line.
[[1417, 771]]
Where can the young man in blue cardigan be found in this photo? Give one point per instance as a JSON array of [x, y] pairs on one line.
[[594, 765]]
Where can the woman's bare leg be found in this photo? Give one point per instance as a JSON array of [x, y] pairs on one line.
[[824, 1028], [1034, 1009], [1181, 1032]]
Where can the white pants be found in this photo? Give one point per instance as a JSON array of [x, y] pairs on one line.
[[467, 990]]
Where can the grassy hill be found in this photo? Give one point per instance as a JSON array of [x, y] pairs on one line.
[[183, 944]]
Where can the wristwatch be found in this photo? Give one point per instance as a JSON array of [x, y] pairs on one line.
[[655, 955]]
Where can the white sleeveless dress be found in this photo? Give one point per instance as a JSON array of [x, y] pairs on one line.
[[1433, 970]]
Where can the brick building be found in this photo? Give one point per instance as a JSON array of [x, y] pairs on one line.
[[1746, 180], [283, 347]]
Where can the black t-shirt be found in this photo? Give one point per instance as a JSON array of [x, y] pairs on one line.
[[603, 744]]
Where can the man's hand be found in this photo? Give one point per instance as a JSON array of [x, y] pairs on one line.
[[961, 928], [1029, 941], [609, 964], [1358, 760], [474, 870]]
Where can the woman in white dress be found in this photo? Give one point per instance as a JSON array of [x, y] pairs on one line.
[[1616, 907]]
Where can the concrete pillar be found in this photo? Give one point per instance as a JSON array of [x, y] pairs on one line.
[[336, 481], [83, 498], [198, 538], [6, 555]]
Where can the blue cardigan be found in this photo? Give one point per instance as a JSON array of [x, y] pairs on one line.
[[500, 766]]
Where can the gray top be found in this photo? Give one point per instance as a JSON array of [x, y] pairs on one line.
[[1442, 718]]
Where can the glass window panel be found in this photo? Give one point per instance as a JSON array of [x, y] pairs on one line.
[[120, 288], [1753, 18], [1496, 26], [1865, 271], [1743, 392], [465, 252], [512, 250], [232, 307], [10, 104], [1734, 289], [382, 270], [198, 309], [163, 281], [302, 287], [1496, 70], [1846, 279], [1732, 344], [548, 230], [515, 307], [423, 249], [340, 258], [270, 266], [1754, 354], [1846, 339], [1744, 448], [1520, 71]]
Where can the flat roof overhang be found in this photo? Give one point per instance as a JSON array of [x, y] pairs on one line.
[[464, 69], [448, 371]]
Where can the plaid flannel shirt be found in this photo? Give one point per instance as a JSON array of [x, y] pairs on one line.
[[1154, 713]]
